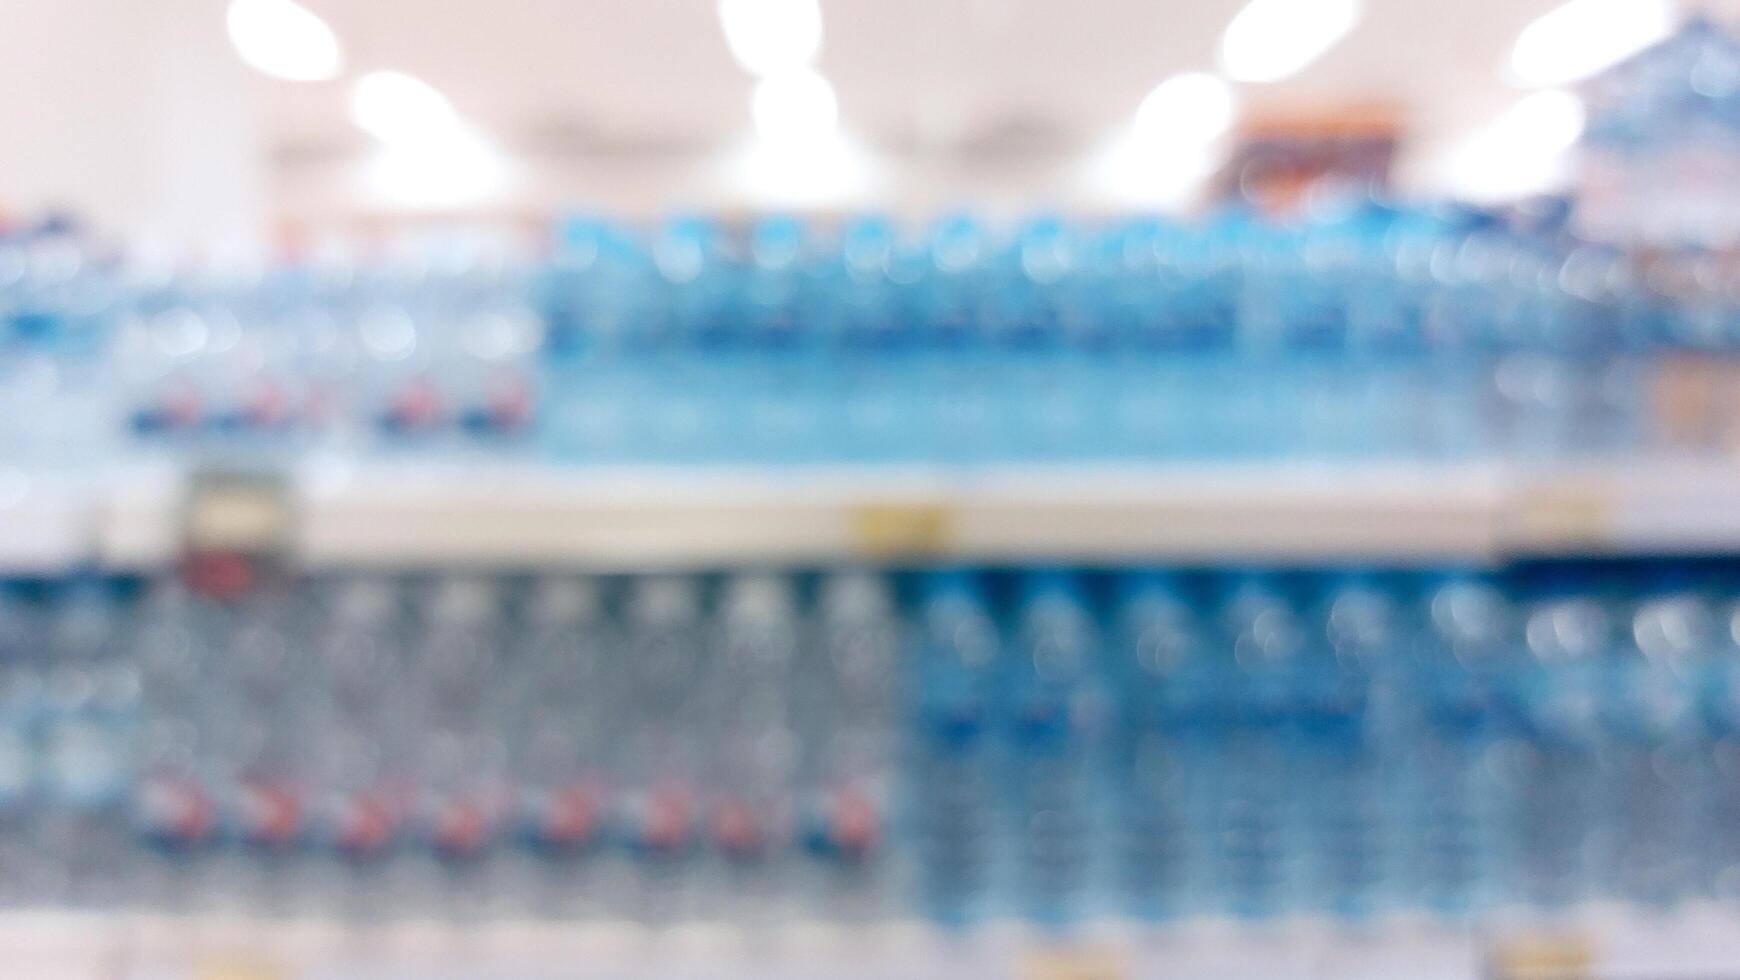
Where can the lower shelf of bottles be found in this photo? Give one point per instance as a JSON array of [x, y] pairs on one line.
[[336, 512]]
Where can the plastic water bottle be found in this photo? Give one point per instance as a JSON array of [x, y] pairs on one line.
[[1172, 712], [1257, 788], [848, 697], [957, 385], [779, 382], [88, 729], [176, 809], [362, 738], [1347, 726], [668, 676], [1555, 771], [460, 756], [679, 395], [1458, 680], [1718, 693], [21, 802], [952, 790], [562, 710], [750, 744], [1655, 781], [1053, 722]]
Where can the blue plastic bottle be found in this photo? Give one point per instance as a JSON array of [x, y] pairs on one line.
[[952, 794]]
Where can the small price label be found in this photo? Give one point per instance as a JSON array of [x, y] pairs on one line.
[[895, 530], [238, 967], [1543, 958], [1565, 517], [1073, 964], [237, 513]]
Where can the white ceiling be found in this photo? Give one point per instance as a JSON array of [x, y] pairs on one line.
[[921, 74]]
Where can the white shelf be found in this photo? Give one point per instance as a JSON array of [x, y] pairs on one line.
[[623, 519], [1694, 944], [626, 519]]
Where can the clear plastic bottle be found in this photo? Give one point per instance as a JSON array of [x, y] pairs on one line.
[[88, 730], [1555, 770], [175, 804], [750, 743], [848, 698], [561, 711], [1654, 784], [1347, 728], [1458, 678], [1719, 705], [37, 875], [459, 755], [1256, 795], [1052, 728], [952, 792], [360, 742], [1171, 711], [662, 766]]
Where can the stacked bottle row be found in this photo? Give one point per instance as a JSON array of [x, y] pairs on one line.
[[957, 746], [435, 346], [1365, 331]]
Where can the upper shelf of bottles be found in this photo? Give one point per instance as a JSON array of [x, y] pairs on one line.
[[1373, 383]]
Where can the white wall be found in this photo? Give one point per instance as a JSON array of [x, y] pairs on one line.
[[135, 114]]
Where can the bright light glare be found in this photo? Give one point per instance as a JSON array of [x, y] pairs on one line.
[[1523, 151], [1581, 37], [1131, 170], [397, 108], [458, 168], [794, 107], [1271, 39], [1543, 123], [1194, 108], [772, 37], [284, 39], [829, 171]]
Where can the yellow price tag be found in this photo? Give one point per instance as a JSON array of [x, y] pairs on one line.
[[1543, 958], [1073, 964], [239, 967], [892, 530], [1566, 517]]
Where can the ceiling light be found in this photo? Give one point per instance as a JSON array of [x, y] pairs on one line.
[[1544, 123], [832, 171], [771, 37], [284, 39], [1579, 38], [1126, 173], [457, 169], [1195, 108], [398, 108], [1271, 39], [1523, 151], [794, 107]]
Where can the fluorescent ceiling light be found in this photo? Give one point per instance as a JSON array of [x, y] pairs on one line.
[[1544, 123], [833, 171], [1523, 151], [401, 109], [1195, 108], [459, 168], [772, 37], [1128, 172], [794, 107], [1271, 39], [1579, 38], [284, 39]]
